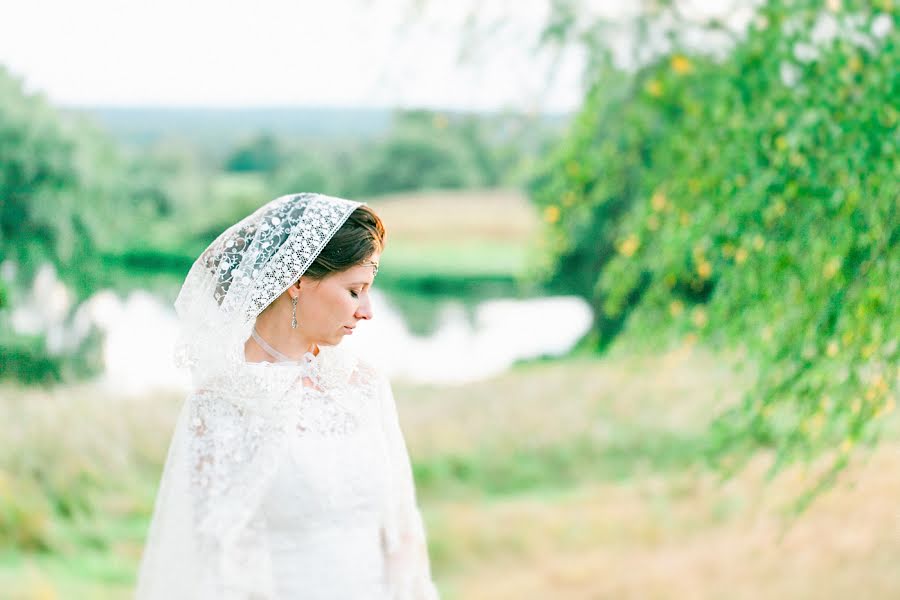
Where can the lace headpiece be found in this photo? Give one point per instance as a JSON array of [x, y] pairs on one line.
[[247, 267]]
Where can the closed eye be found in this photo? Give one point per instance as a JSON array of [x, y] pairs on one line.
[[354, 294]]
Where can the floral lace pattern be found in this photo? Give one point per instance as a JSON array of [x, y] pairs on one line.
[[323, 415], [239, 450], [258, 258]]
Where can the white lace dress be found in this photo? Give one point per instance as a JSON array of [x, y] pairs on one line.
[[288, 482], [322, 512]]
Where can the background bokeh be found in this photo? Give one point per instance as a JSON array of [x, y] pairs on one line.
[[642, 323]]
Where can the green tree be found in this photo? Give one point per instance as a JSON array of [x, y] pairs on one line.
[[61, 201], [419, 153], [308, 171], [262, 153], [749, 201]]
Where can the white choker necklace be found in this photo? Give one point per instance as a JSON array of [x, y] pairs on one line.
[[275, 353]]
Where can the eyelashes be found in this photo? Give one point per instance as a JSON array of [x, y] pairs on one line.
[[354, 294]]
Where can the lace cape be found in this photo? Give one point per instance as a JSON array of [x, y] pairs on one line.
[[207, 539]]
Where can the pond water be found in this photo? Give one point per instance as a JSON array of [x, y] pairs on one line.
[[414, 336], [466, 342]]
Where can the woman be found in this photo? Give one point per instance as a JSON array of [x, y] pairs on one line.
[[287, 476]]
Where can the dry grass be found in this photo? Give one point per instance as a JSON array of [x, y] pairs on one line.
[[550, 402], [686, 538], [80, 476], [655, 533], [448, 217]]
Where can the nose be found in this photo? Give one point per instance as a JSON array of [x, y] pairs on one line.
[[364, 310]]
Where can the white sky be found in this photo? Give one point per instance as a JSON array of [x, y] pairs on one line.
[[279, 52]]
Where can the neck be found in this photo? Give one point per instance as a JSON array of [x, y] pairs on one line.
[[275, 330]]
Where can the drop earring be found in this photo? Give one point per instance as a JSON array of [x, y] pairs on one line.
[[294, 314]]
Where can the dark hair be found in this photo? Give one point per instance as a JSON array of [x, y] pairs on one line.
[[361, 236]]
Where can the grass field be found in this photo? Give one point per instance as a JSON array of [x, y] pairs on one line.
[[571, 479], [435, 240], [471, 234]]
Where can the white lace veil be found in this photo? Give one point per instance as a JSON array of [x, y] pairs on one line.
[[244, 270], [210, 536]]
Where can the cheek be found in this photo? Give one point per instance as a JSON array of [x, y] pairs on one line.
[[331, 306], [349, 305], [342, 303], [318, 307]]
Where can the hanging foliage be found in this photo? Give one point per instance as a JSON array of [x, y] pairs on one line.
[[751, 202]]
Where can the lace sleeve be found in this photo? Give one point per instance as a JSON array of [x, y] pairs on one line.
[[229, 531], [403, 536]]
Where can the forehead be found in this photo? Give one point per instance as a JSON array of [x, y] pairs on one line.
[[362, 273]]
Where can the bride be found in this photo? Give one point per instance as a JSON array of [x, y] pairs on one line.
[[287, 476]]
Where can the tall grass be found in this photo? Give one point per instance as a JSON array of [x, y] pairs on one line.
[[77, 482], [568, 479], [457, 235]]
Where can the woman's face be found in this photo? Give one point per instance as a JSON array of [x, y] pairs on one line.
[[328, 309]]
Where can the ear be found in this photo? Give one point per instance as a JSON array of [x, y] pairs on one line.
[[294, 290], [301, 284]]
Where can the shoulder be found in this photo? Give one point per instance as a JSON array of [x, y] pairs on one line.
[[368, 372], [364, 365], [350, 366]]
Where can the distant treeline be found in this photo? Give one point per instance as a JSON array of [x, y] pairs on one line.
[[418, 150], [218, 128], [344, 151]]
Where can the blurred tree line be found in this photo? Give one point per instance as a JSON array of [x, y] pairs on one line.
[[104, 214], [422, 150], [749, 199]]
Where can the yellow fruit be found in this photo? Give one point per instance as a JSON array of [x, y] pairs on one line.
[[699, 318], [831, 267], [704, 269], [629, 246], [658, 201], [681, 65], [758, 242], [551, 214]]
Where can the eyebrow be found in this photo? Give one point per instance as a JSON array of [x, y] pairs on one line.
[[359, 283]]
